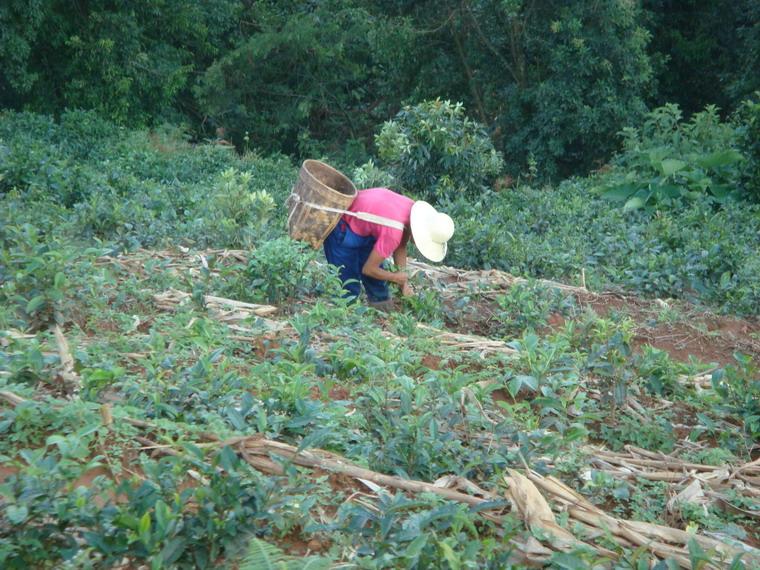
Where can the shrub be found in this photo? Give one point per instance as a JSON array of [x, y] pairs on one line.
[[434, 151], [283, 270], [738, 388], [747, 120], [692, 252], [234, 214], [33, 273], [137, 188], [667, 161], [369, 175]]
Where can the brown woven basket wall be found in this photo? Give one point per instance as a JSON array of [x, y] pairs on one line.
[[320, 184]]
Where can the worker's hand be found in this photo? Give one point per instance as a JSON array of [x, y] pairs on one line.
[[402, 280]]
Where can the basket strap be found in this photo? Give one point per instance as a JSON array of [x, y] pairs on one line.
[[366, 216]]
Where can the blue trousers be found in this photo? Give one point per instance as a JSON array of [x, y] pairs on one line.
[[349, 252]]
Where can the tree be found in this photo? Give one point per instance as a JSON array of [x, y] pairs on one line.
[[552, 79], [309, 76], [708, 51], [133, 62]]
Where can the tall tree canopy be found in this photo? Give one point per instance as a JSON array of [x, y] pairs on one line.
[[552, 81]]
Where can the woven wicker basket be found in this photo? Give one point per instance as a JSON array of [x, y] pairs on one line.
[[322, 185]]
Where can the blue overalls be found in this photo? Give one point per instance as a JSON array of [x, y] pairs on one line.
[[349, 251]]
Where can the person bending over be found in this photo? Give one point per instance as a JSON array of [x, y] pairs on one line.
[[360, 247]]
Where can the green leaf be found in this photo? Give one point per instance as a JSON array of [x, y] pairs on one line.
[[450, 556], [59, 281], [17, 515], [513, 386], [619, 193], [143, 529], [415, 547], [173, 550], [720, 158], [261, 420], [35, 304], [263, 556], [163, 516], [721, 191], [670, 166], [228, 459], [671, 191], [634, 204], [310, 563], [696, 553], [236, 419]]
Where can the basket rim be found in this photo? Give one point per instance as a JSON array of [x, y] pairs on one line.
[[305, 169]]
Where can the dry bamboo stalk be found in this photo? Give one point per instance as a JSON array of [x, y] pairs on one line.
[[640, 451], [585, 512], [11, 398], [335, 464], [712, 475], [469, 341], [667, 476], [261, 310], [68, 374], [641, 534], [169, 299], [671, 465], [457, 482], [536, 512], [18, 335], [700, 381], [105, 413], [752, 465], [491, 276], [135, 355]]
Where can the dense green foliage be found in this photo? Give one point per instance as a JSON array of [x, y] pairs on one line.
[[693, 252], [748, 119], [554, 80], [84, 179], [708, 51], [384, 393], [551, 81], [433, 151], [308, 76], [133, 63], [94, 180], [666, 161]]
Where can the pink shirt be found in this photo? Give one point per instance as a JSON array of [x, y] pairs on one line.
[[381, 202]]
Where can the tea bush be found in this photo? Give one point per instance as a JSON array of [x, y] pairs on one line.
[[84, 181], [693, 252], [136, 188], [34, 273], [282, 270], [738, 388]]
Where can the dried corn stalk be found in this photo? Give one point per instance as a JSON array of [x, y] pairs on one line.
[[225, 310]]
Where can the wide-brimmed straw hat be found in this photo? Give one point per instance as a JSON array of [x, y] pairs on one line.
[[431, 230]]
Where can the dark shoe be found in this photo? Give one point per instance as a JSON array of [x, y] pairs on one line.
[[382, 306]]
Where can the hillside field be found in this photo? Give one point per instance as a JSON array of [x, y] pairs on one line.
[[182, 386]]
